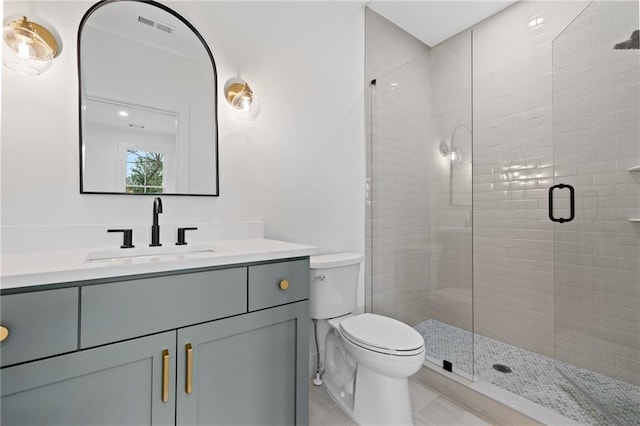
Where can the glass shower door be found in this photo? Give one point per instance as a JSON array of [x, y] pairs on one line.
[[595, 205], [449, 331], [419, 204], [400, 214]]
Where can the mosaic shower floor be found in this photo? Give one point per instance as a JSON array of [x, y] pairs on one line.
[[533, 376]]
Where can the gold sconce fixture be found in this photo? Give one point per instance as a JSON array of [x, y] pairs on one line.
[[31, 47], [241, 98]]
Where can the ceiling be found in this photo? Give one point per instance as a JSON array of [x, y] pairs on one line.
[[433, 22]]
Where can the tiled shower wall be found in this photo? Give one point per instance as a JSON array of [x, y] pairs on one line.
[[451, 260], [399, 206], [513, 163], [596, 141], [592, 313], [512, 171]]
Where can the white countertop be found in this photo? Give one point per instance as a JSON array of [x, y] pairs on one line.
[[51, 267]]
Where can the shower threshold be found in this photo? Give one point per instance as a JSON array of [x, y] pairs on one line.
[[534, 377]]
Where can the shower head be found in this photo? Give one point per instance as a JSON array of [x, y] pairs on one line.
[[632, 43]]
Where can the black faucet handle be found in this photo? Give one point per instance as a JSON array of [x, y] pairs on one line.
[[181, 239], [127, 240], [157, 205]]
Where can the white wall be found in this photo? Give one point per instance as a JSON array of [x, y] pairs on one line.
[[299, 167], [388, 46]]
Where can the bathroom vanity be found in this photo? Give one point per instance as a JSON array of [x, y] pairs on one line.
[[218, 339]]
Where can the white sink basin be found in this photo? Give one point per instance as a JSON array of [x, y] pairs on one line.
[[151, 253]]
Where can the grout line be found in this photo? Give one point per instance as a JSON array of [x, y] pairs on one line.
[[422, 385], [463, 408], [333, 403]]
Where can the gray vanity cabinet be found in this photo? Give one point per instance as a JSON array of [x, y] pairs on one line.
[[39, 324], [245, 370], [118, 384], [219, 346], [137, 307]]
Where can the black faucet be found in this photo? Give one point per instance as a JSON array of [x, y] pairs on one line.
[[155, 228]]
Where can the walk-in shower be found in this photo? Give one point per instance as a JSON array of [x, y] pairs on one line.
[[540, 105]]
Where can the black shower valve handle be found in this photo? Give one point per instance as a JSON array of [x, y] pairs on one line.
[[127, 237], [181, 235]]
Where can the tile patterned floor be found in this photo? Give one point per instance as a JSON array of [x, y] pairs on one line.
[[429, 408], [620, 400], [533, 376]]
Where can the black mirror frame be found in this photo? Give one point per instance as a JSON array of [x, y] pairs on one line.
[[86, 16]]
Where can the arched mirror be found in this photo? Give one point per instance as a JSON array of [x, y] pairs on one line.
[[148, 103]]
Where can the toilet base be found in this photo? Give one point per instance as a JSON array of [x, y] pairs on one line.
[[381, 400], [339, 376], [370, 389], [375, 400]]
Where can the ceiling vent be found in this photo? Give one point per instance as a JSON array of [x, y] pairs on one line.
[[164, 27], [146, 21], [157, 25]]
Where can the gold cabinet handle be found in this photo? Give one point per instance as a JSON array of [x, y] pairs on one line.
[[284, 284], [165, 375], [4, 333], [188, 387]]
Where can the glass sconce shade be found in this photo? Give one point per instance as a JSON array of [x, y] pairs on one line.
[[251, 112], [443, 148], [450, 150], [31, 47], [455, 155], [241, 98]]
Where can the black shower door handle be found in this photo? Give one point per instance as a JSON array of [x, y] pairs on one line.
[[572, 201]]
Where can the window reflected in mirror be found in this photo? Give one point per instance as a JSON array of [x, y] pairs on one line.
[[145, 172]]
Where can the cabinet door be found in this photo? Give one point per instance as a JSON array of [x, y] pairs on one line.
[[119, 384], [247, 370]]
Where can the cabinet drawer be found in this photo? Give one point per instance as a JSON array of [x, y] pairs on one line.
[[265, 283], [122, 310], [40, 324]]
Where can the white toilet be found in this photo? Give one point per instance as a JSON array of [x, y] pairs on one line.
[[367, 358]]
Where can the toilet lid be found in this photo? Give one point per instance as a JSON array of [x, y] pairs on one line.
[[382, 334]]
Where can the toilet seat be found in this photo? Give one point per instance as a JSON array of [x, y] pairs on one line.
[[382, 334]]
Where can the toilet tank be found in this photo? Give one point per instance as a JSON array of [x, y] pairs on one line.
[[334, 283]]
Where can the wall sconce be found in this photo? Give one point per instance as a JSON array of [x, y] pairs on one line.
[[241, 98], [31, 47], [451, 151], [448, 149]]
